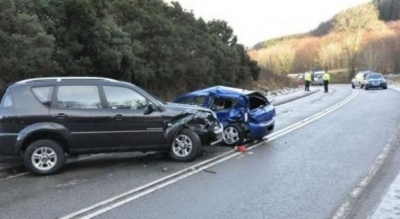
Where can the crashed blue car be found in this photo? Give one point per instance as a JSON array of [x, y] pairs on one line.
[[244, 114]]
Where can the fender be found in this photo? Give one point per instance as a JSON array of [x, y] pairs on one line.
[[196, 121], [41, 127]]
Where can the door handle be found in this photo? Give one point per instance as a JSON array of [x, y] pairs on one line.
[[118, 117], [61, 116]]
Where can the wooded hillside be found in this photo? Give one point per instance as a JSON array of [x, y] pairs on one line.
[[366, 37], [148, 42]]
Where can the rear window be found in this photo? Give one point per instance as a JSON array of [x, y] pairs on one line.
[[7, 101], [257, 101], [43, 94]]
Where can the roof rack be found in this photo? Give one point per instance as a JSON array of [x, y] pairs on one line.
[[59, 79]]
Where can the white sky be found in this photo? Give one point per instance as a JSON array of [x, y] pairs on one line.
[[254, 21]]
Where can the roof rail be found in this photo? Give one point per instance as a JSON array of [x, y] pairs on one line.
[[59, 79]]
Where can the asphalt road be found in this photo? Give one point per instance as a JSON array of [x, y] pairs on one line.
[[307, 173]]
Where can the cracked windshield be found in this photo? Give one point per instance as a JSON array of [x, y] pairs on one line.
[[199, 109]]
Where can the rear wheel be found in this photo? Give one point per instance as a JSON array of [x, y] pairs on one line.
[[185, 146], [352, 86], [233, 135], [385, 87], [44, 157]]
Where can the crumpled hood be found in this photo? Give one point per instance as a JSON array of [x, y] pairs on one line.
[[176, 109]]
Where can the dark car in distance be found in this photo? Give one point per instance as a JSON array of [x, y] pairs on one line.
[[245, 114], [375, 80], [45, 118]]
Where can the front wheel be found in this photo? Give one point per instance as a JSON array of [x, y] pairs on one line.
[[233, 135], [185, 146], [385, 88], [44, 157]]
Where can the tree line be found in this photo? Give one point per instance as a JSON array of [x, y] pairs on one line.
[[356, 39], [156, 45]]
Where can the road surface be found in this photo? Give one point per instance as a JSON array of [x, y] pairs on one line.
[[323, 148]]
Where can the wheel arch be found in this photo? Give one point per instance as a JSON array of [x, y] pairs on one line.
[[43, 131]]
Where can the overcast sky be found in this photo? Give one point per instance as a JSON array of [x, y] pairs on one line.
[[256, 20]]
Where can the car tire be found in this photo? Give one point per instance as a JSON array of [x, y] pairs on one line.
[[385, 88], [44, 157], [233, 135], [185, 146], [366, 88], [352, 86]]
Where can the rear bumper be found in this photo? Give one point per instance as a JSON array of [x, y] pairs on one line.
[[7, 143], [260, 130]]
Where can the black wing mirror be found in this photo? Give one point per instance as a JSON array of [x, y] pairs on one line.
[[149, 109]]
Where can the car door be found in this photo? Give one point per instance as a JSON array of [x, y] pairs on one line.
[[79, 109], [132, 126], [222, 107]]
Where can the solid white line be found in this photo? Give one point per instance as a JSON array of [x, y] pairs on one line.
[[348, 204], [192, 170], [26, 172], [14, 176]]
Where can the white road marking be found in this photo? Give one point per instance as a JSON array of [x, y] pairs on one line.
[[26, 173], [131, 195], [348, 204], [14, 176]]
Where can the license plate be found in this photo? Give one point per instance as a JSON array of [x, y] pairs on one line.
[[375, 83]]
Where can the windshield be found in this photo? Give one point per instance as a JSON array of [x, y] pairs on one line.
[[375, 76]]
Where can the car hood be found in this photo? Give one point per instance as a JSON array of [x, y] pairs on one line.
[[174, 109]]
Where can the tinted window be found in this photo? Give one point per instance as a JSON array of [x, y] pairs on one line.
[[7, 101], [43, 94], [124, 98], [199, 100], [78, 97]]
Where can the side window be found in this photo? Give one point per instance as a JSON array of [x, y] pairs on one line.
[[199, 101], [223, 104], [7, 101], [193, 100], [124, 98], [43, 94], [78, 97], [185, 100]]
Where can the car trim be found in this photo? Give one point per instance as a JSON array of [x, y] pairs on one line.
[[108, 132], [8, 134], [59, 79]]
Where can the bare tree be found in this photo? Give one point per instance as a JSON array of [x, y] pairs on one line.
[[373, 55], [352, 24], [329, 55], [285, 59]]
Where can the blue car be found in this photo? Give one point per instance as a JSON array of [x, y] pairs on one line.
[[244, 114]]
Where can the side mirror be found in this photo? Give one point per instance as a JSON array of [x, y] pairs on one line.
[[149, 109]]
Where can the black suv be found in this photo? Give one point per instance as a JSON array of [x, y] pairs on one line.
[[45, 118]]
